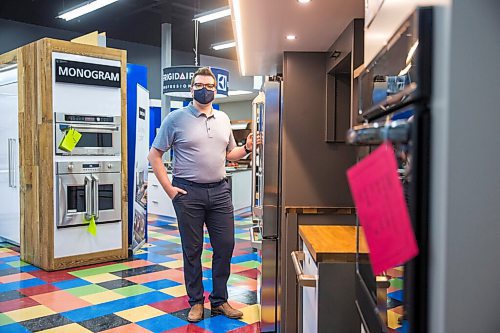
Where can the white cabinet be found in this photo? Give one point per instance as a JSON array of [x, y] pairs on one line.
[[241, 182], [160, 204], [10, 215], [158, 201], [310, 296]]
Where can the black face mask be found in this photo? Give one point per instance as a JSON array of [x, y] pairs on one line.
[[204, 96]]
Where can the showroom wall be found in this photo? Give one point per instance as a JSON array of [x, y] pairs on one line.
[[238, 110]]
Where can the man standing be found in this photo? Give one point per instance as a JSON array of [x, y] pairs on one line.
[[202, 140]]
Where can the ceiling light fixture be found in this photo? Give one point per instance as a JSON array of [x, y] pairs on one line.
[[304, 1], [239, 35], [213, 15], [223, 45], [84, 8], [239, 92], [291, 37]]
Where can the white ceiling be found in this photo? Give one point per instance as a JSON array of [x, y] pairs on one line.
[[266, 23]]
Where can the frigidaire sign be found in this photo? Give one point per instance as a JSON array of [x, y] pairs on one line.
[[87, 73], [177, 80]]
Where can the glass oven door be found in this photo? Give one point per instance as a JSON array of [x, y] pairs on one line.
[[95, 140], [106, 195], [74, 199]]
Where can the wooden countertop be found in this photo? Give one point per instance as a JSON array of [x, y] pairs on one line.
[[332, 242]]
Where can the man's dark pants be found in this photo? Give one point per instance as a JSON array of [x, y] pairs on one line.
[[210, 204]]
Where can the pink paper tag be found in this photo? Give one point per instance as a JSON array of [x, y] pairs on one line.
[[382, 210]]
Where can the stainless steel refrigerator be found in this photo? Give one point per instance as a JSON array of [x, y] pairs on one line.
[[266, 197]]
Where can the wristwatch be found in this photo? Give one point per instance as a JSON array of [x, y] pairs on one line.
[[246, 150]]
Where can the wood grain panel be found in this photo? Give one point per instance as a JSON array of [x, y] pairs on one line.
[[124, 168], [9, 57], [332, 243]]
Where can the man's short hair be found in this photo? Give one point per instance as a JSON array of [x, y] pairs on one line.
[[205, 71]]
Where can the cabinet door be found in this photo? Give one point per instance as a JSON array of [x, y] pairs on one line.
[[158, 201], [10, 217], [309, 296]]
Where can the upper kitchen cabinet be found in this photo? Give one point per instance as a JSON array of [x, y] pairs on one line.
[[344, 56]]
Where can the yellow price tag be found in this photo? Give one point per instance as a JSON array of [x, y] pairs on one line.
[[92, 228], [70, 140]]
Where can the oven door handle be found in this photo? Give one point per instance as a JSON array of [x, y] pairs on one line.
[[96, 127], [88, 197], [95, 193], [302, 279]]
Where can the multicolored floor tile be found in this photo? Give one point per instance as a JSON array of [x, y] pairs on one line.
[[145, 293], [395, 311]]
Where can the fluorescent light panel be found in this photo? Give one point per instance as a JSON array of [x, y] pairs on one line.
[[85, 8], [239, 35], [225, 45], [213, 15], [291, 37], [239, 92]]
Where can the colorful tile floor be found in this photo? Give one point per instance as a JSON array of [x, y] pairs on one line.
[[142, 294], [395, 302]]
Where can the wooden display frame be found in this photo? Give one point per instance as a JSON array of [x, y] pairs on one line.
[[36, 151]]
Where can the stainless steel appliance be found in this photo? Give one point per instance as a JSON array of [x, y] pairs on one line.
[[86, 189], [395, 95], [101, 135], [266, 196]]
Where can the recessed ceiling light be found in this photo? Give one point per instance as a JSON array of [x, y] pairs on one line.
[[291, 37], [213, 15], [86, 7], [304, 1]]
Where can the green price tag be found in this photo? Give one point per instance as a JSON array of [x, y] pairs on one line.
[[92, 228], [71, 138]]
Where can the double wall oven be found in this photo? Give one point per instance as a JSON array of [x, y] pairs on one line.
[[395, 95], [88, 179]]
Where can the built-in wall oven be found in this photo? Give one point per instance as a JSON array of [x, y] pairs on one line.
[[395, 95], [86, 189], [101, 135]]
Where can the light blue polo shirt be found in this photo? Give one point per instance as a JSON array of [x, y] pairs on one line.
[[200, 143]]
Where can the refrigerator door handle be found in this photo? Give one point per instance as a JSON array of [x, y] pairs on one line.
[[302, 279], [254, 154], [12, 163], [256, 244]]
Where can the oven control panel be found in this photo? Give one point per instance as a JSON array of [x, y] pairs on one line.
[[88, 167], [86, 119]]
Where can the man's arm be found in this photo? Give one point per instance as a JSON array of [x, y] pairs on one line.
[[239, 152], [154, 158], [236, 154]]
